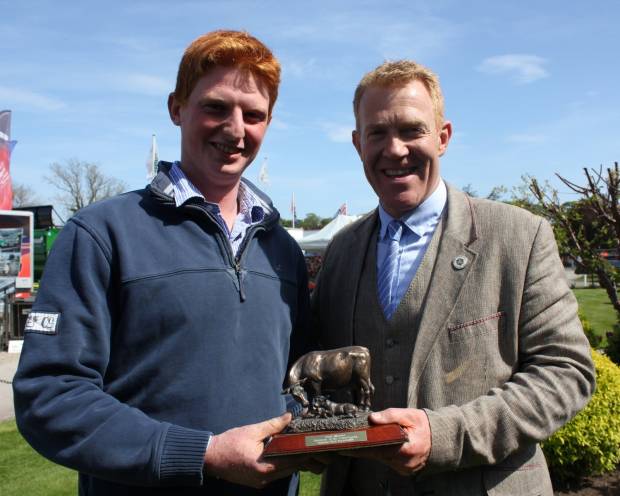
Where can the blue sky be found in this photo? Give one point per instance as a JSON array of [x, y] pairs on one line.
[[531, 87]]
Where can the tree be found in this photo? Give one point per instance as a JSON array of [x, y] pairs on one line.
[[82, 183], [313, 222], [468, 189], [495, 194], [23, 195], [286, 222], [585, 226]]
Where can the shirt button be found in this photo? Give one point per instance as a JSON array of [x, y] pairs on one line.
[[389, 379]]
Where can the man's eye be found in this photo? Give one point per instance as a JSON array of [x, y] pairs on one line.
[[213, 107], [254, 117], [412, 131]]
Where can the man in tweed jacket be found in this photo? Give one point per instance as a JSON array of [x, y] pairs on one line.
[[481, 355]]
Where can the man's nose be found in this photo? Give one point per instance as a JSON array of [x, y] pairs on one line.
[[395, 147], [234, 124]]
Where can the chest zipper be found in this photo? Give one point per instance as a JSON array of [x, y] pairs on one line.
[[240, 277], [235, 262], [249, 234]]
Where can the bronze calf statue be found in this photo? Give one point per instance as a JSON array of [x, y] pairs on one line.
[[322, 407]]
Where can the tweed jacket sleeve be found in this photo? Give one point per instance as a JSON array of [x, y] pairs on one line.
[[553, 376]]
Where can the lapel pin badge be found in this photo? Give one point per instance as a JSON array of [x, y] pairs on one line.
[[459, 262]]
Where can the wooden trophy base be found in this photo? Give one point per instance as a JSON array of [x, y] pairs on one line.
[[313, 442]]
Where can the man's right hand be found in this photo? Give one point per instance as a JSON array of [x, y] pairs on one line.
[[236, 455]]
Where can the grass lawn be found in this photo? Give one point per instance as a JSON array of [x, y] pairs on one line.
[[596, 307], [24, 472], [310, 484]]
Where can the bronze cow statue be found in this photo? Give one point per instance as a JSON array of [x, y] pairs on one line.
[[331, 370]]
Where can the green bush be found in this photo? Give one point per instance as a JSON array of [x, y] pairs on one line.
[[590, 443], [594, 339]]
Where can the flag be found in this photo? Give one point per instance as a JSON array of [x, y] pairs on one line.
[[342, 210], [293, 209], [263, 177], [152, 160], [6, 190], [5, 126]]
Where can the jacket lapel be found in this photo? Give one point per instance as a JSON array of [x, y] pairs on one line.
[[448, 277], [348, 264]]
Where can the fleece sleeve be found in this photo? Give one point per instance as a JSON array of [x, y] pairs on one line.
[[61, 405], [303, 337], [554, 379]]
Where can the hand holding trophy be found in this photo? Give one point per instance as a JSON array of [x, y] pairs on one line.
[[316, 381]]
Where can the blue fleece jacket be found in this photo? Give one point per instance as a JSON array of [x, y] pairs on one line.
[[147, 335]]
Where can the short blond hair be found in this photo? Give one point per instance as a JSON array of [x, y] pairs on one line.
[[399, 73]]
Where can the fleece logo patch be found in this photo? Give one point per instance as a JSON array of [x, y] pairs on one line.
[[43, 322]]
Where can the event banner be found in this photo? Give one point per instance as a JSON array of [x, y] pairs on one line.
[[10, 251], [6, 191], [16, 248]]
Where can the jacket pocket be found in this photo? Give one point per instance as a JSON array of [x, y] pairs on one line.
[[476, 327], [466, 354]]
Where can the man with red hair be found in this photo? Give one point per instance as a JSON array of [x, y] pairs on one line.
[[156, 350]]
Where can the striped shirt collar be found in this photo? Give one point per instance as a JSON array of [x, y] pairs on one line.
[[421, 219], [182, 188], [251, 206]]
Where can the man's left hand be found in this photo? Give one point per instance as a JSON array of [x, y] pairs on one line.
[[410, 456]]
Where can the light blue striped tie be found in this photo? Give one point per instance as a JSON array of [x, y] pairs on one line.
[[387, 280]]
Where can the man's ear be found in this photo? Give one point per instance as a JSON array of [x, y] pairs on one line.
[[355, 138], [445, 133], [174, 109]]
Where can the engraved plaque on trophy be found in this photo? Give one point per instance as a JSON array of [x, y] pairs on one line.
[[326, 424]]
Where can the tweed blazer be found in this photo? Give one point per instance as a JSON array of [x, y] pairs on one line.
[[500, 361]]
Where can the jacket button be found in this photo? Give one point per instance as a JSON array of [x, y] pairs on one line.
[[460, 262], [389, 379], [389, 342]]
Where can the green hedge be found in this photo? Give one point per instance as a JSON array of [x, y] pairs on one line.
[[594, 339], [590, 443]]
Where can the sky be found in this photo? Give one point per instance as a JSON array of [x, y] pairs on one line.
[[531, 87]]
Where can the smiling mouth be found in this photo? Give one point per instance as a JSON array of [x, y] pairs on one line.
[[399, 172], [227, 148]]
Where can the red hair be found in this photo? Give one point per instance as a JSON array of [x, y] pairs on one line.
[[229, 49]]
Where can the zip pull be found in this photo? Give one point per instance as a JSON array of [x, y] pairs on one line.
[[240, 277]]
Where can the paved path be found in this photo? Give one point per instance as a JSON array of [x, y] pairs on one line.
[[8, 365]]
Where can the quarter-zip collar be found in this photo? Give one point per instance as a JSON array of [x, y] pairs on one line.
[[162, 190]]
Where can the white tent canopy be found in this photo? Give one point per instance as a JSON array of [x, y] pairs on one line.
[[319, 240]]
